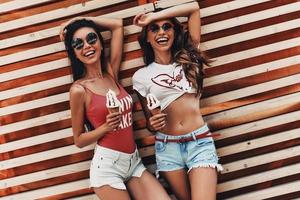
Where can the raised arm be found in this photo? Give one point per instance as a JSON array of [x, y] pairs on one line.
[[116, 44], [190, 10]]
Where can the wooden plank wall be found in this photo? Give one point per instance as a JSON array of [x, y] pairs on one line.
[[251, 96]]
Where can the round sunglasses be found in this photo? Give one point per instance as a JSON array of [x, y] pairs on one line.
[[91, 38], [165, 27]]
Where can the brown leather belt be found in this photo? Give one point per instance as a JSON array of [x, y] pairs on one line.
[[188, 139]]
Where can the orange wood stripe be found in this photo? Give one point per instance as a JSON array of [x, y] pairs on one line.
[[35, 95], [46, 164], [230, 122], [55, 23], [36, 148], [253, 43], [241, 64], [258, 151], [37, 112], [45, 183], [35, 78], [69, 194], [32, 62], [258, 169], [250, 26], [251, 80], [250, 99], [56, 4], [34, 131], [259, 186], [257, 134], [244, 11]]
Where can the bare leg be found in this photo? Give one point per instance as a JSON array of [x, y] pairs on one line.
[[203, 183], [178, 180], [106, 193], [146, 188]]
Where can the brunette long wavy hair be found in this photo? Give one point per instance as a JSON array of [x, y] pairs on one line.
[[78, 68], [183, 52]]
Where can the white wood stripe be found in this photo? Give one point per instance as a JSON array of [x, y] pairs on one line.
[[259, 178], [251, 90], [259, 142], [18, 4], [45, 174], [35, 122], [49, 191], [35, 140], [35, 69], [35, 104], [258, 125], [56, 14], [252, 109], [229, 6], [42, 156], [36, 87], [261, 159], [86, 197], [43, 34], [250, 71], [252, 17], [270, 192], [270, 48], [248, 35]]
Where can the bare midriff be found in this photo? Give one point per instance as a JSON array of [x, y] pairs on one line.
[[183, 115]]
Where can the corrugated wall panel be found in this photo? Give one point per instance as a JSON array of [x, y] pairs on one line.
[[251, 96]]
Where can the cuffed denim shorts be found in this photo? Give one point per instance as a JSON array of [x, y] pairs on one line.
[[172, 156], [114, 168]]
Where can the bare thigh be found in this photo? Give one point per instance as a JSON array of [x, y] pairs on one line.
[[107, 193], [203, 183], [146, 187], [179, 183]]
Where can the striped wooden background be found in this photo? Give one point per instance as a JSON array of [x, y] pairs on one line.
[[251, 96]]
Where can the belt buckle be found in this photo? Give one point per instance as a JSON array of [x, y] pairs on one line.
[[181, 140]]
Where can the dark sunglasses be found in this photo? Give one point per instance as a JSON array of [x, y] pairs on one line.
[[165, 27], [91, 38]]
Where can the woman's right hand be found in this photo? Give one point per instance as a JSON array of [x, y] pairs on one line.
[[113, 121], [62, 30], [143, 19], [158, 121]]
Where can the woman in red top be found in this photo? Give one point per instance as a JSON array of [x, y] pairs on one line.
[[116, 165]]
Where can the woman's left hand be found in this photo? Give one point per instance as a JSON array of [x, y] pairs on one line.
[[143, 19], [62, 30]]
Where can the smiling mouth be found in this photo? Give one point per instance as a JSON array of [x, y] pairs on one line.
[[162, 40], [89, 53]]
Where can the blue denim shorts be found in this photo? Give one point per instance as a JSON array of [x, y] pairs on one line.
[[172, 156]]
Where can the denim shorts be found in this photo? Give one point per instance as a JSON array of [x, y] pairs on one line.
[[172, 156], [114, 168]]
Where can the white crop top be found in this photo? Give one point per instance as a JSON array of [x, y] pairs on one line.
[[166, 82]]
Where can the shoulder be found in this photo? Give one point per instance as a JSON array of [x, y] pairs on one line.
[[77, 90], [140, 74]]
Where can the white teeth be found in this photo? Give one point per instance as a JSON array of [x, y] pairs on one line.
[[162, 39], [89, 53]]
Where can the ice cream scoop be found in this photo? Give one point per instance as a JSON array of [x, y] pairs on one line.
[[153, 104], [112, 103]]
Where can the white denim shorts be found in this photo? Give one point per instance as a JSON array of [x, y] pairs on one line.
[[114, 168]]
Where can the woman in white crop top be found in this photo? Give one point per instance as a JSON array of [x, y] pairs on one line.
[[185, 151]]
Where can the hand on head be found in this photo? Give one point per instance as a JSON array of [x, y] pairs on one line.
[[143, 19], [62, 31]]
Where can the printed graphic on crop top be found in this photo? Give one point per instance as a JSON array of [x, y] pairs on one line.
[[176, 81]]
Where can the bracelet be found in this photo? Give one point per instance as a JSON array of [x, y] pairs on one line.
[[155, 6]]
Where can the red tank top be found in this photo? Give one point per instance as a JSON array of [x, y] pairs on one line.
[[122, 139]]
